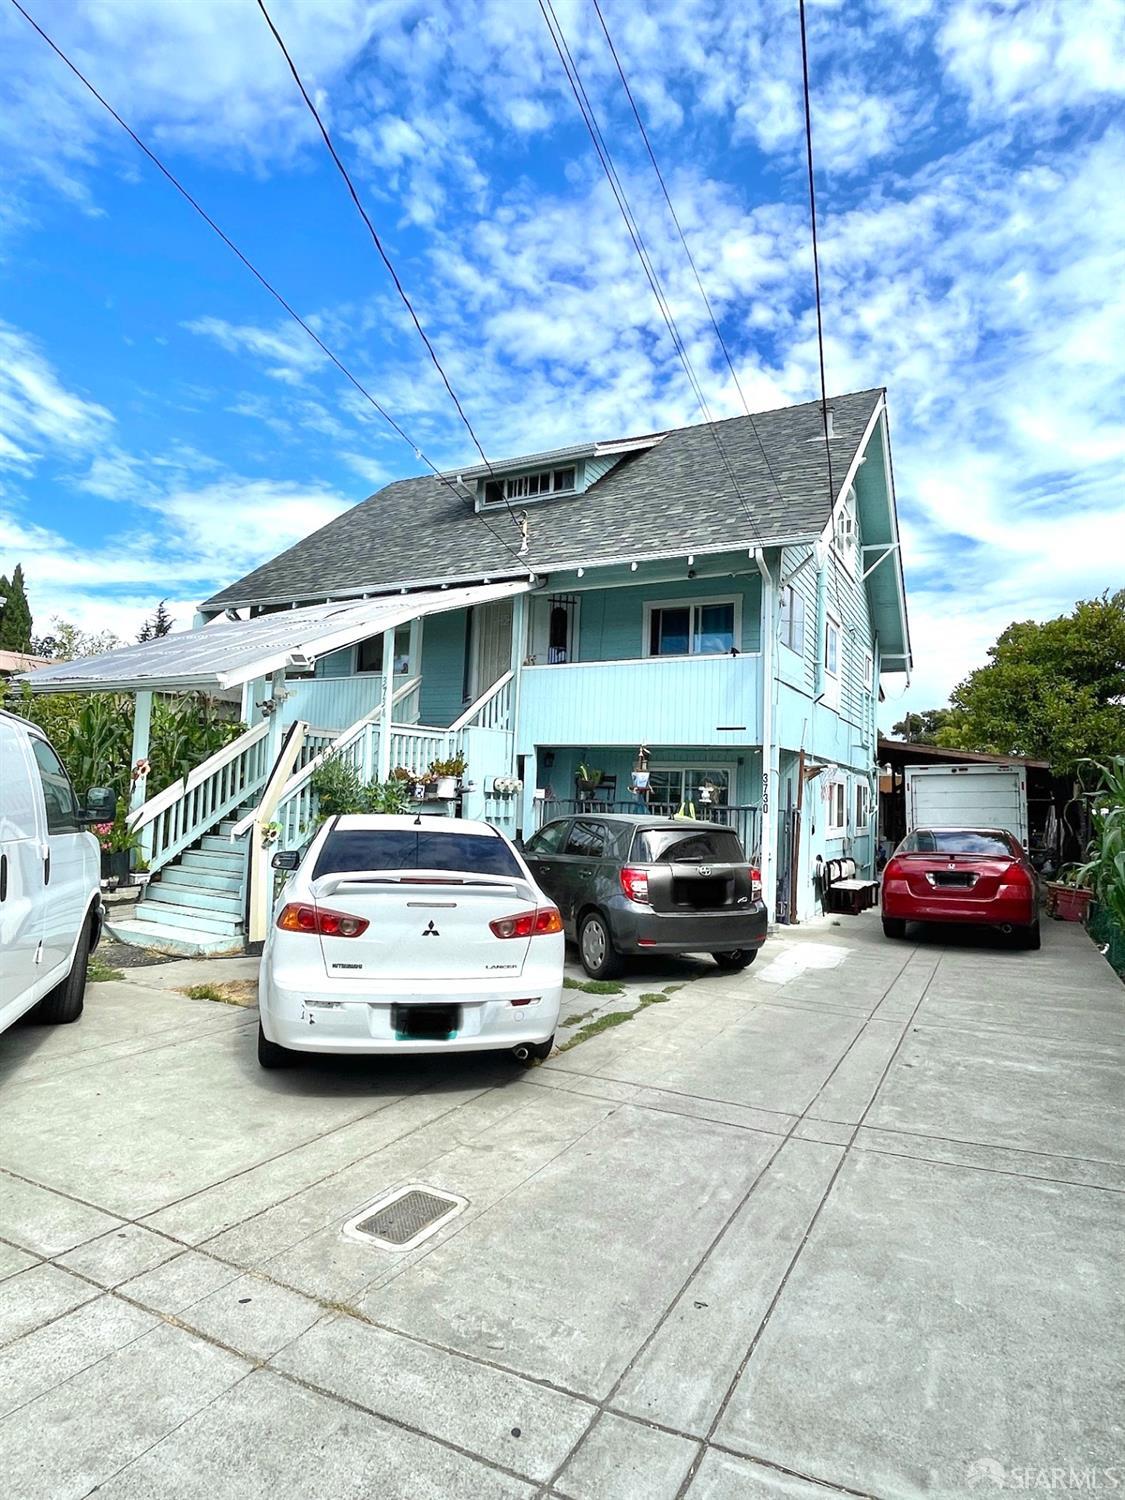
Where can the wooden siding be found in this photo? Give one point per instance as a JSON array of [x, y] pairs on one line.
[[612, 621], [661, 700], [443, 667], [332, 702]]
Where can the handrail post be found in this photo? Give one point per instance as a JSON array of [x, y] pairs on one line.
[[260, 876], [383, 769]]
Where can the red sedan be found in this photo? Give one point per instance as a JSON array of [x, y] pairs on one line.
[[977, 875]]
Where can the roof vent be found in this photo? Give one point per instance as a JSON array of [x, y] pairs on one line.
[[828, 432]]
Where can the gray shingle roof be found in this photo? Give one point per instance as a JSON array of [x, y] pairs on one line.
[[677, 495]]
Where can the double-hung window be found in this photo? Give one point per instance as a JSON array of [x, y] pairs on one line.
[[708, 627], [792, 619], [832, 648]]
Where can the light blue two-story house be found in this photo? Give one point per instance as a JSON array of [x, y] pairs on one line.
[[695, 620]]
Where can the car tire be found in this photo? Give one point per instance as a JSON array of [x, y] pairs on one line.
[[894, 927], [270, 1055], [64, 1003], [599, 957], [741, 958], [1030, 937]]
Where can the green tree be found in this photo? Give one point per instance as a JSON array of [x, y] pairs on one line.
[[66, 642], [160, 624], [1053, 691], [15, 613], [923, 728]]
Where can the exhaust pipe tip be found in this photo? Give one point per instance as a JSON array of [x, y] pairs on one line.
[[1006, 929], [521, 1053]]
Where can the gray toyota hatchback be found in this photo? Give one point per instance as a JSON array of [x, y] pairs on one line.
[[630, 884]]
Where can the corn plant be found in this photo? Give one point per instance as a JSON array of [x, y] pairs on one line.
[[1104, 869]]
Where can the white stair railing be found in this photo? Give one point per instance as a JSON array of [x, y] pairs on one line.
[[357, 746], [414, 746], [492, 710], [183, 812]]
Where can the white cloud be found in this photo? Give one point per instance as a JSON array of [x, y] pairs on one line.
[[36, 411], [288, 352]]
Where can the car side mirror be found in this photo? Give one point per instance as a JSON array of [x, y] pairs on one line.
[[101, 805], [286, 859]]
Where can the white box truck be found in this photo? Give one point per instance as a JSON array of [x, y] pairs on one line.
[[973, 796]]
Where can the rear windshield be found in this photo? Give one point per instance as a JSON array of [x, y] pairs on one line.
[[660, 846], [955, 841], [414, 849]]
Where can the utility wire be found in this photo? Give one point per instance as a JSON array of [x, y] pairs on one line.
[[267, 285], [687, 248], [589, 118], [399, 288], [815, 257]]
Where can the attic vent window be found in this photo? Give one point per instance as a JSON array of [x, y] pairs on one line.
[[529, 486]]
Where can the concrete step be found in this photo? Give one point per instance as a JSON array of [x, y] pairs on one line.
[[228, 861], [160, 938], [222, 903], [210, 923], [214, 844], [204, 876]]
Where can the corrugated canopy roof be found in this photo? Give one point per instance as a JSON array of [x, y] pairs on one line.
[[227, 653]]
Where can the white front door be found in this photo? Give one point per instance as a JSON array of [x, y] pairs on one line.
[[492, 645]]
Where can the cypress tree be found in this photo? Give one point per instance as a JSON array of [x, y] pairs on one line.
[[15, 613]]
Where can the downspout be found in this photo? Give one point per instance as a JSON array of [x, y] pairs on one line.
[[769, 789]]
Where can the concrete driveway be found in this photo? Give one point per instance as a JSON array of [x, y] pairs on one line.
[[850, 1219]]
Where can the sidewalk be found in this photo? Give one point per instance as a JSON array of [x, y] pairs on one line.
[[849, 1219]]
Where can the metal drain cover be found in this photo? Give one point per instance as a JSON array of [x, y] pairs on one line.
[[405, 1217]]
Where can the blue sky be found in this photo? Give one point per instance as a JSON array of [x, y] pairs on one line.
[[163, 427]]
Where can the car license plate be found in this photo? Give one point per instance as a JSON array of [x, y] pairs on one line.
[[426, 1023]]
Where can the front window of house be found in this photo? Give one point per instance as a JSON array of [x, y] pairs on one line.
[[832, 648], [837, 792], [698, 786], [709, 627]]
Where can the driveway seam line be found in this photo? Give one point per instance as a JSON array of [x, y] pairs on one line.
[[782, 1284]]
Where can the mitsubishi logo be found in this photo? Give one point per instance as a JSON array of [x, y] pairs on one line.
[[431, 930]]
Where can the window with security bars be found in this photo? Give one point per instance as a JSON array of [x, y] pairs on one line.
[[529, 486]]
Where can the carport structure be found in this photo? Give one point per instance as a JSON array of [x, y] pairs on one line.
[[264, 775]]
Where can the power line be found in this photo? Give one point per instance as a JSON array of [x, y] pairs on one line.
[[815, 257], [267, 285], [589, 118], [399, 288], [687, 248]]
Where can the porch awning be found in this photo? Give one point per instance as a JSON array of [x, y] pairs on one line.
[[227, 653]]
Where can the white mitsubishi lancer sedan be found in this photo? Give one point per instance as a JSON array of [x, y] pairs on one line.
[[409, 934]]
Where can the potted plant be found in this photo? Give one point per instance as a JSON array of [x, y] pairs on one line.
[[117, 841], [1069, 897], [587, 778], [447, 773]]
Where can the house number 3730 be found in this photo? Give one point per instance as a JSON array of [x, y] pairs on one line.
[[765, 791]]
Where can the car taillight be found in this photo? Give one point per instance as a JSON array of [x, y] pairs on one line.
[[525, 924], [893, 870], [320, 921], [635, 884], [755, 883], [1016, 875]]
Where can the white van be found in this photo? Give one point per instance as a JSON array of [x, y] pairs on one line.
[[50, 886]]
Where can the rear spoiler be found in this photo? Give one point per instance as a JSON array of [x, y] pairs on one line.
[[355, 880]]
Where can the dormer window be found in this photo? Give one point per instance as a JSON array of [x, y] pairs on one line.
[[846, 531], [529, 486]]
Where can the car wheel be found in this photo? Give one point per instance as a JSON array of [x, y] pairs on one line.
[[595, 947], [270, 1055], [741, 958], [1029, 937], [894, 927], [64, 1003]]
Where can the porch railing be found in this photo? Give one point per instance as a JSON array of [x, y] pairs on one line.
[[744, 819], [492, 710], [172, 820], [357, 747]]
